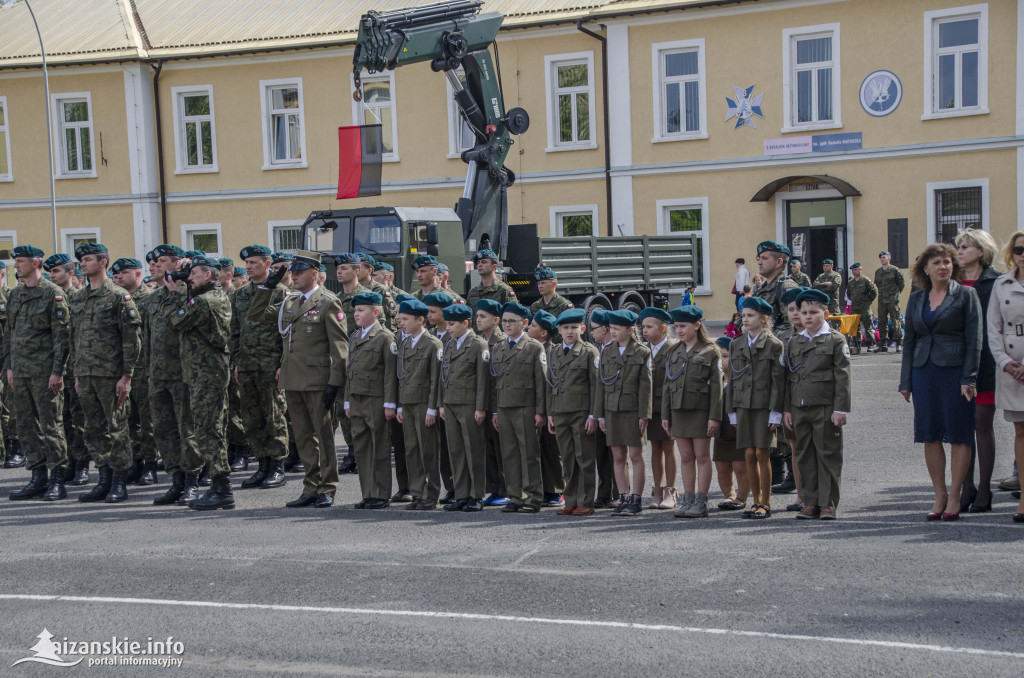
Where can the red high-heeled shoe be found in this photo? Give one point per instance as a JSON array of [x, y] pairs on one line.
[[937, 515], [950, 517]]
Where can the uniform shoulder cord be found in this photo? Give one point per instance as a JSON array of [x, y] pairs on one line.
[[668, 363], [446, 365], [607, 381], [733, 372], [550, 372], [789, 363]]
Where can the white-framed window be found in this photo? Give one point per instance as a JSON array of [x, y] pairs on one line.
[[195, 135], [680, 90], [571, 101], [689, 215], [954, 207], [573, 220], [6, 174], [72, 115], [956, 62], [205, 237], [284, 128], [460, 136], [811, 78], [285, 236], [71, 238], [380, 106], [8, 241]]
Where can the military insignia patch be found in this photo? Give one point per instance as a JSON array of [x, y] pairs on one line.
[[846, 350], [127, 297], [191, 302], [131, 312], [341, 316], [60, 313], [570, 305], [394, 347], [650, 365], [55, 298], [485, 355], [597, 361], [181, 311], [440, 354], [543, 359]]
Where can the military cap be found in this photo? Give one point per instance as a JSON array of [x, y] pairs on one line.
[[383, 266], [424, 260], [56, 260], [796, 260], [789, 296], [545, 274], [687, 314], [485, 254], [78, 272], [367, 299], [166, 250], [255, 251], [124, 264], [150, 256], [772, 246], [413, 306], [757, 304], [226, 262], [281, 257], [518, 309], [367, 259], [87, 248], [489, 306], [856, 264], [828, 261], [3, 266], [27, 251], [442, 268], [599, 316], [399, 298], [723, 342], [656, 313], [438, 300], [812, 295], [323, 268], [304, 259], [571, 316], [346, 258], [147, 279], [622, 317], [212, 262], [545, 320], [884, 253], [192, 254], [238, 271], [458, 312]]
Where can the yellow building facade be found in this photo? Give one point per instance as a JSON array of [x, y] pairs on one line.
[[840, 127]]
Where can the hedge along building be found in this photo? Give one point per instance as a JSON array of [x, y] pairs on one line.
[[841, 127]]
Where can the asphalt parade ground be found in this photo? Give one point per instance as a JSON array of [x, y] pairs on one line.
[[266, 590]]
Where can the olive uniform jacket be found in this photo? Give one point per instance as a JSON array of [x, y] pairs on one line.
[[625, 381], [105, 332], [37, 336], [417, 369], [818, 372], [464, 372], [315, 342], [694, 383], [658, 363], [572, 378], [757, 378], [517, 375], [371, 365]]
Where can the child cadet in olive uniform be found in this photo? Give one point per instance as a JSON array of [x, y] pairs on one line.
[[754, 398], [691, 406], [105, 327], [829, 282], [488, 326], [486, 263], [571, 387], [607, 491], [417, 368], [729, 462], [436, 302], [370, 398], [517, 409], [311, 324], [543, 328], [464, 396], [796, 324], [35, 352], [347, 273], [817, 402], [256, 356], [862, 292], [550, 300], [654, 325], [623, 406]]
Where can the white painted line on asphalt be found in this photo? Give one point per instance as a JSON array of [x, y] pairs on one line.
[[508, 618]]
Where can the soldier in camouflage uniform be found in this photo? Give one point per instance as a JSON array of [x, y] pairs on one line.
[[390, 308], [256, 356], [889, 281], [486, 262], [35, 350], [830, 283], [384, 273], [11, 453], [862, 292], [225, 275], [796, 275], [238, 452], [203, 320], [105, 343], [550, 300], [347, 273], [428, 277]]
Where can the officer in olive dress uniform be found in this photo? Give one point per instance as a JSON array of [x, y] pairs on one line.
[[464, 395], [862, 292], [890, 283], [517, 408], [488, 326], [486, 263], [347, 273], [571, 387], [550, 300], [417, 368], [796, 274], [371, 398], [312, 326]]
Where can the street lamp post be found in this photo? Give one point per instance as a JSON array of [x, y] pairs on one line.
[[49, 127]]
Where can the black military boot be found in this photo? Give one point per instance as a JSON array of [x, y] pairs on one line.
[[36, 486], [55, 488], [275, 474], [219, 496], [190, 492], [348, 464], [69, 470], [204, 477], [134, 473], [148, 476], [237, 461], [81, 473], [172, 494], [102, 489], [789, 483], [292, 463], [118, 490], [256, 479], [15, 455], [250, 456]]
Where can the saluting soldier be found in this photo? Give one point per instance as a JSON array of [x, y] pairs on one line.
[[796, 274], [829, 282], [488, 326], [280, 263], [347, 273], [518, 409], [571, 387], [371, 398], [862, 292], [464, 396], [417, 368], [35, 351], [890, 282], [105, 344], [486, 263], [388, 306], [550, 300], [256, 356]]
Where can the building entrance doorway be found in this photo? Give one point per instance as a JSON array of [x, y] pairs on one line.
[[815, 231]]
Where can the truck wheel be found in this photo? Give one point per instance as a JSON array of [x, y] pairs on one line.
[[632, 301]]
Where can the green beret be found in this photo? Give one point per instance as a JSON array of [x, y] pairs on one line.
[[812, 295], [87, 248], [442, 268], [856, 264], [884, 253], [517, 309], [687, 314], [399, 298], [656, 313], [148, 279], [599, 316], [545, 320], [27, 251], [424, 260], [166, 250], [150, 256], [622, 318], [125, 264], [789, 296], [226, 262], [204, 260], [346, 258], [366, 259], [281, 257], [3, 266], [723, 342], [438, 300], [772, 246], [238, 272], [383, 266], [78, 272], [545, 274], [323, 268], [192, 254], [458, 312], [255, 251], [757, 304], [413, 306], [795, 260], [571, 316], [489, 306], [828, 261], [367, 299], [56, 260], [485, 254]]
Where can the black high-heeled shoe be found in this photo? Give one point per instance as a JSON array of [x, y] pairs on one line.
[[966, 500], [977, 507]]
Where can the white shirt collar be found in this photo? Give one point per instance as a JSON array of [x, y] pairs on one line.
[[752, 339], [657, 347], [825, 329], [565, 345], [515, 341], [365, 331], [308, 294], [460, 340]]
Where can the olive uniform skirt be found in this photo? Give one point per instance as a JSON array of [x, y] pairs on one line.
[[724, 448], [752, 429], [689, 423], [655, 431], [623, 429]]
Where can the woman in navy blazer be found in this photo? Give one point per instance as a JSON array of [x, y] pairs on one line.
[[941, 354]]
